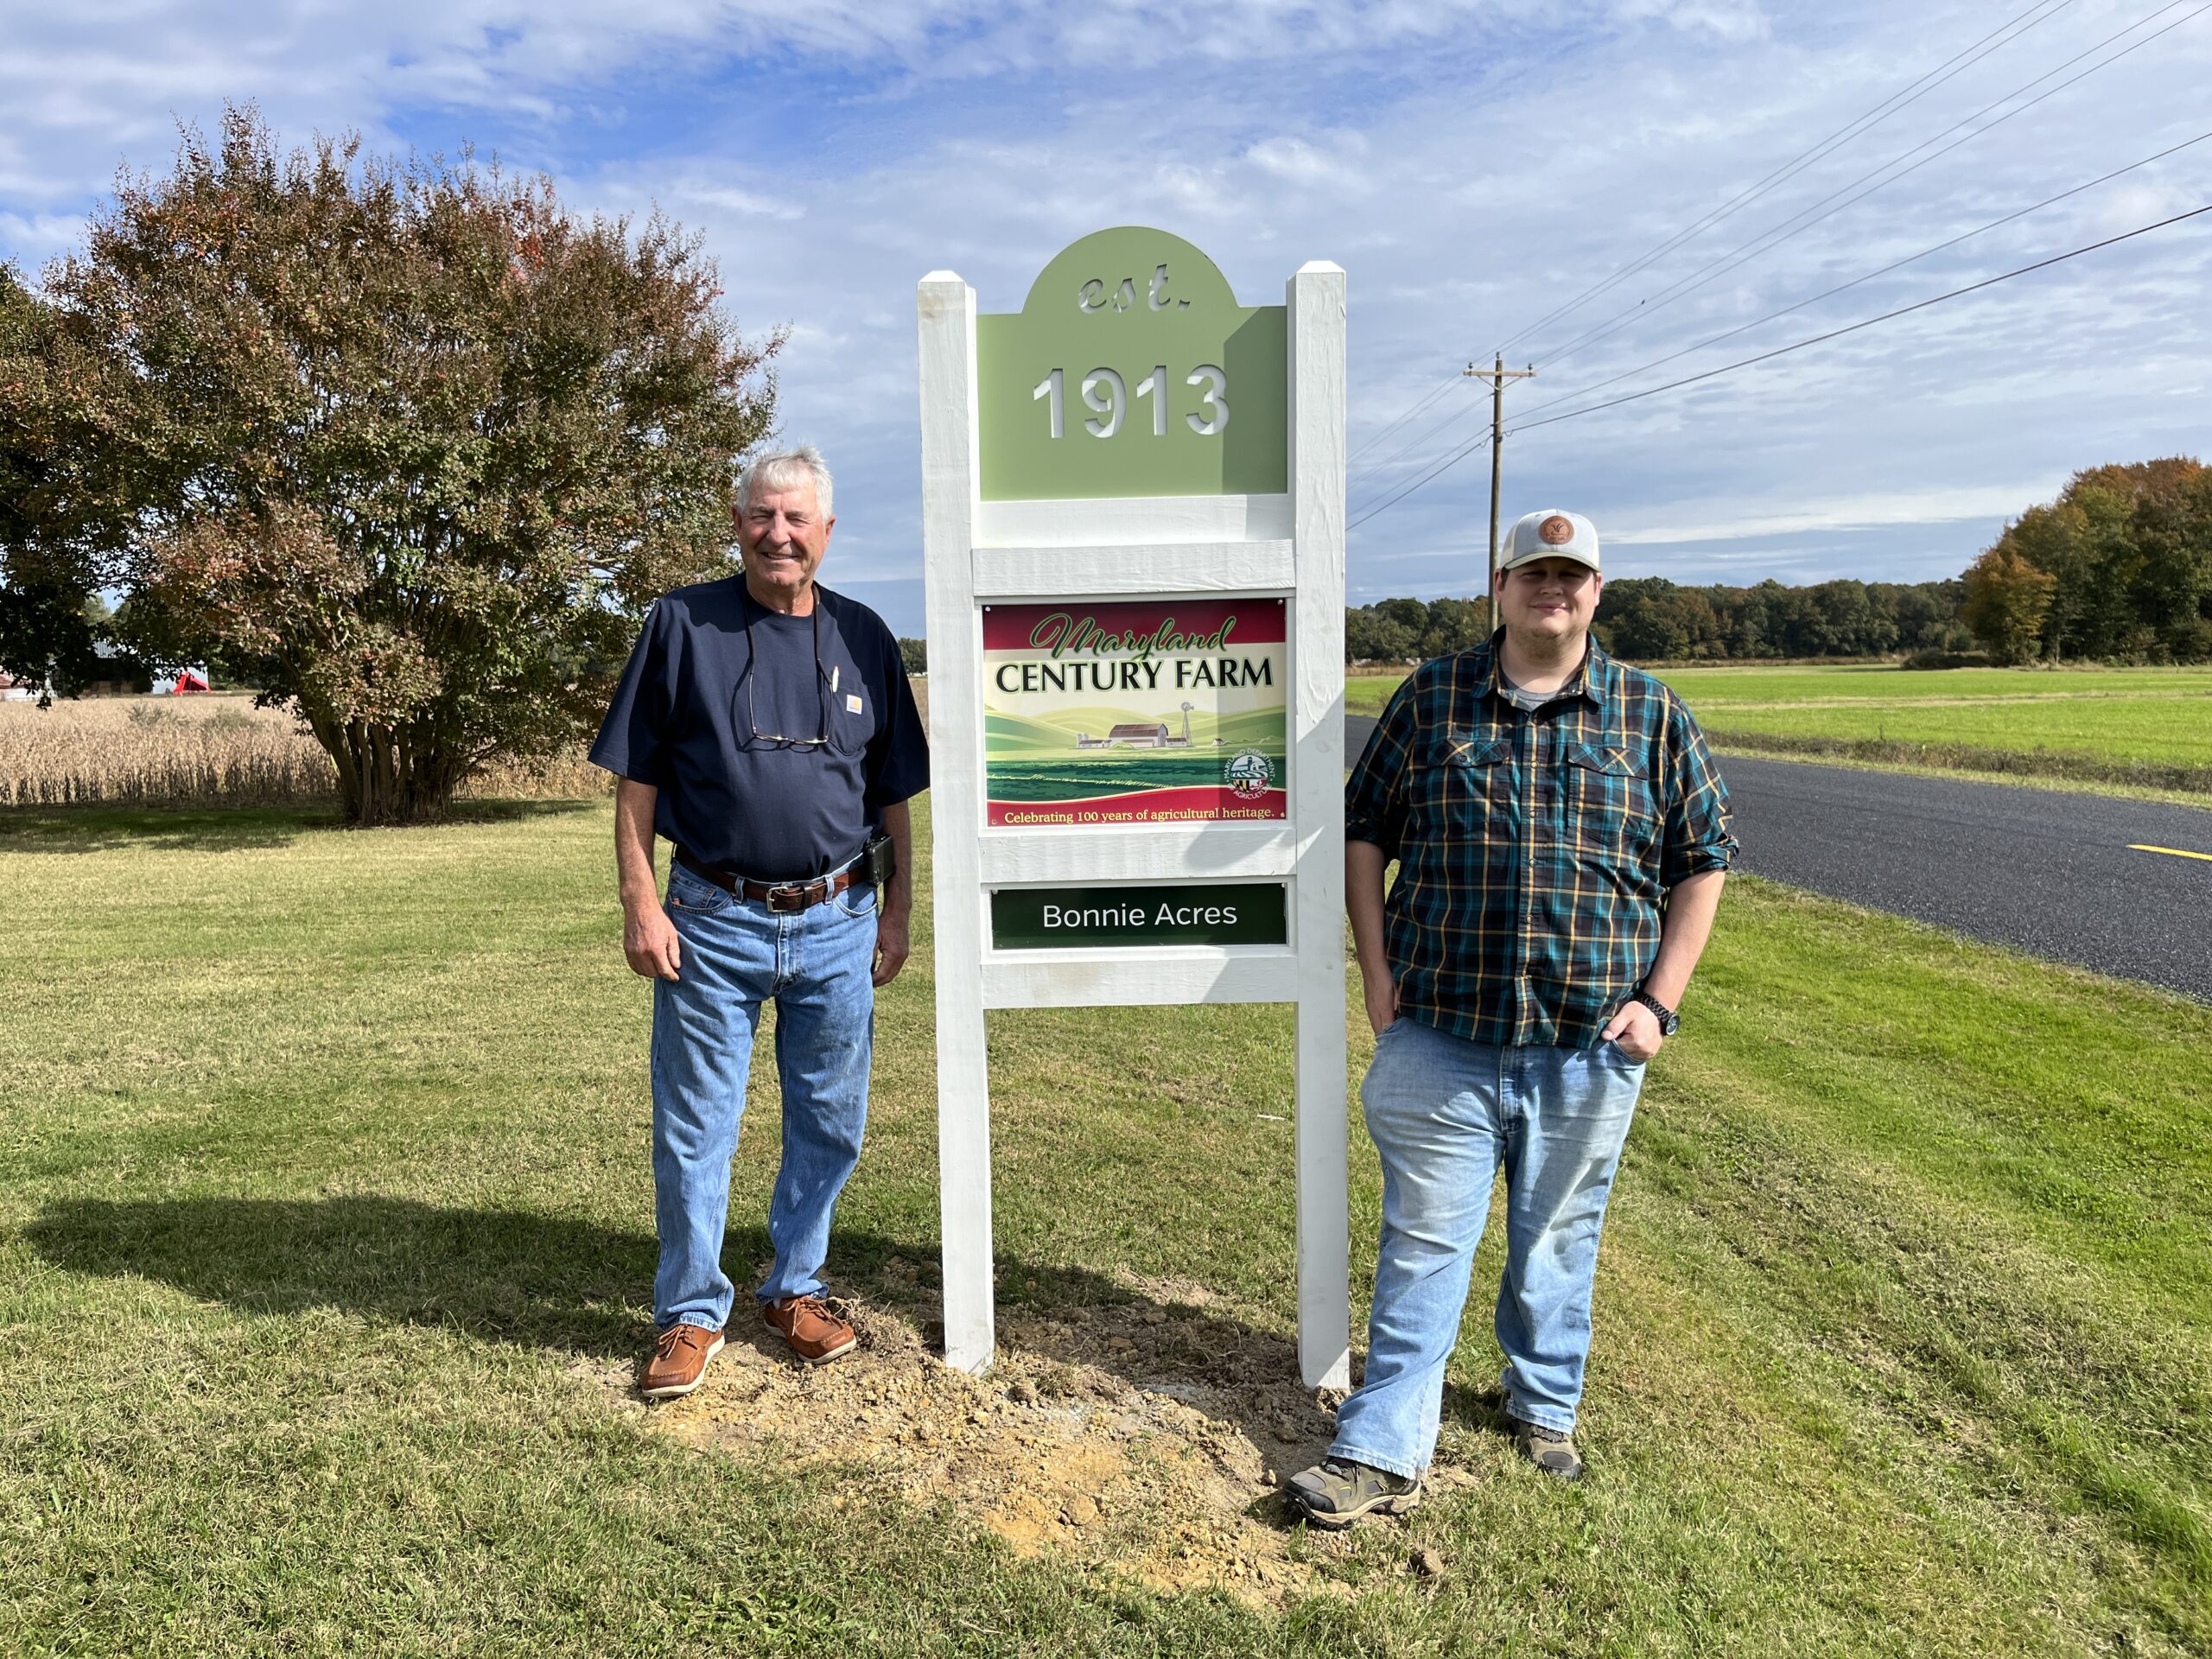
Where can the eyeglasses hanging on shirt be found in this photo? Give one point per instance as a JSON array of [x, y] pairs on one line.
[[821, 698]]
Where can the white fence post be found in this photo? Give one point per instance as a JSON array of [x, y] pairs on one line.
[[1316, 302], [950, 493]]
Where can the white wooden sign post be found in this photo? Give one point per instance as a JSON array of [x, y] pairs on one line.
[[1133, 504]]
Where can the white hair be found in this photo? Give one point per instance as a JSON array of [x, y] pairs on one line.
[[783, 469]]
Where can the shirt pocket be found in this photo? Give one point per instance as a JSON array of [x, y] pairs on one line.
[[1607, 792], [1460, 776], [852, 716]]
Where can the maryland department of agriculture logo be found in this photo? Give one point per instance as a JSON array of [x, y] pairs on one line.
[[1248, 772]]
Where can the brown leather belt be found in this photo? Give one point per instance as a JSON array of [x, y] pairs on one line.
[[784, 897]]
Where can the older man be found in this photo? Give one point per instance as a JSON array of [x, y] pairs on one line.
[[764, 727], [1562, 838]]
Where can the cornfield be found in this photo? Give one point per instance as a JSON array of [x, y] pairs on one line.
[[206, 751]]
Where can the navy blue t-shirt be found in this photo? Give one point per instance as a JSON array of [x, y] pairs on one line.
[[719, 725]]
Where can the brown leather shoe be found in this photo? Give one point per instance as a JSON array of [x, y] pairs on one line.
[[814, 1333], [679, 1362]]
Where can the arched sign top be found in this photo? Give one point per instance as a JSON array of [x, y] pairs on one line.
[[1129, 267], [1132, 371]]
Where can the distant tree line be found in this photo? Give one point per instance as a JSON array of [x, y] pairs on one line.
[[2118, 568], [1413, 629], [1651, 619]]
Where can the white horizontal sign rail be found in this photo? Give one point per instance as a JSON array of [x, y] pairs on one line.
[[1181, 568], [1147, 520], [1146, 978], [1138, 853]]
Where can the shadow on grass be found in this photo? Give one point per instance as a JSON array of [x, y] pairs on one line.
[[541, 1281], [1482, 1407], [536, 1281], [221, 830], [549, 1283]]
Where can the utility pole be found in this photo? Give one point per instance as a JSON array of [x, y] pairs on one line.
[[1497, 375]]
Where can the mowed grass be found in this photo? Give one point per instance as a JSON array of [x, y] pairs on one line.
[[2147, 717], [325, 1206]]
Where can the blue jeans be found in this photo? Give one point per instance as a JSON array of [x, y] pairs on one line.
[[1447, 1114], [818, 964]]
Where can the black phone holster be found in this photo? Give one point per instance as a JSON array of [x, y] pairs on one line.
[[879, 860]]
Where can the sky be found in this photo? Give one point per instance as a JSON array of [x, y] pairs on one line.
[[1474, 165]]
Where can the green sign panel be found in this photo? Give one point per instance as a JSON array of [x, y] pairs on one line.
[[1131, 370], [1042, 918]]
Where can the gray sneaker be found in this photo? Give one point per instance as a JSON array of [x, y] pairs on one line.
[[1547, 1448], [1336, 1492]]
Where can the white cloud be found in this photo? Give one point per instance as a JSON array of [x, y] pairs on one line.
[[32, 239], [730, 198], [1979, 504], [1338, 167], [1735, 20]]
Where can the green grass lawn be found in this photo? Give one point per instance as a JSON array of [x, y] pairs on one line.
[[325, 1212], [2151, 718]]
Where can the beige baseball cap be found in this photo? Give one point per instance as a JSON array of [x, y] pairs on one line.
[[1550, 533]]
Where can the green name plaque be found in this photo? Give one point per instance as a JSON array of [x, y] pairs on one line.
[[1044, 918], [1131, 370]]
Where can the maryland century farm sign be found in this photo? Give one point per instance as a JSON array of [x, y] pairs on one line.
[[1154, 711], [1133, 523]]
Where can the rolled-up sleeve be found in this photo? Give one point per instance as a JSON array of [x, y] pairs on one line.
[[1374, 794], [1699, 836], [632, 737]]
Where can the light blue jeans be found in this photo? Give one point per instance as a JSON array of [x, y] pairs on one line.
[[818, 964], [1447, 1114]]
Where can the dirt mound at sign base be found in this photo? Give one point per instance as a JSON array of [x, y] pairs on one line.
[[1151, 1437]]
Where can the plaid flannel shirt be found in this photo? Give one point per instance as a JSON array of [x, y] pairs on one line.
[[1534, 849]]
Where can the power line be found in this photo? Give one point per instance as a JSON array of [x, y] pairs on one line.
[[1782, 351], [1829, 294], [1807, 218], [1908, 94], [1852, 328], [1455, 381], [1419, 438], [1382, 463], [1775, 236]]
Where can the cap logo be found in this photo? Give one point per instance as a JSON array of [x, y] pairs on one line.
[[1556, 531]]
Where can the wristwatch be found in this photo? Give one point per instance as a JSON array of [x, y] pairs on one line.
[[1669, 1019]]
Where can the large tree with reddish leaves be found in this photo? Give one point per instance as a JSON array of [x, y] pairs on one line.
[[405, 443]]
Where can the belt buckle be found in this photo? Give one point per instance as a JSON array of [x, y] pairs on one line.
[[788, 899]]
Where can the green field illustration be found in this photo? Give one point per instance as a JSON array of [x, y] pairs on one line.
[[1085, 733], [1082, 778], [1074, 754]]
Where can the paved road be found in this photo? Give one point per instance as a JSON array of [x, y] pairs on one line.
[[2056, 873]]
